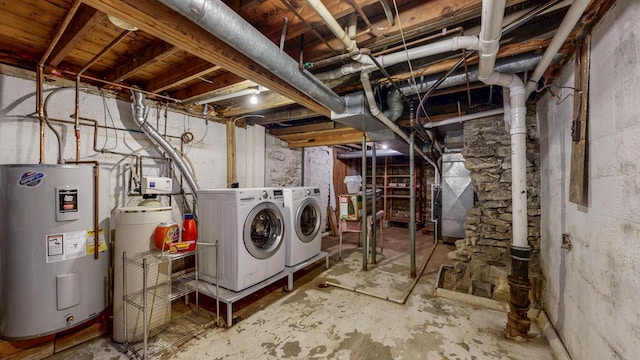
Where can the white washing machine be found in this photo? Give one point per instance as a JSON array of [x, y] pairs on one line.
[[249, 226], [302, 223]]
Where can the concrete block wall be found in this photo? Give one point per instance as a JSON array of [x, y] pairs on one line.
[[19, 138], [593, 289]]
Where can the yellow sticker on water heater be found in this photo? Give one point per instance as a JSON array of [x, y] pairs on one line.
[[102, 246]]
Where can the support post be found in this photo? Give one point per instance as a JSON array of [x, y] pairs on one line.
[[412, 206], [363, 219], [374, 209]]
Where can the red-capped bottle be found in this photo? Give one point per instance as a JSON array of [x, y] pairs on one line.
[[189, 231]]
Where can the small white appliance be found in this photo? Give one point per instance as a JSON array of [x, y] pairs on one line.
[[302, 223], [249, 226]]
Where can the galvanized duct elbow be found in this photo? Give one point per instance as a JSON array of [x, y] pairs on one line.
[[139, 118], [221, 21], [394, 105]]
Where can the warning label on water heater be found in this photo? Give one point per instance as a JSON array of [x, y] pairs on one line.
[[66, 246]]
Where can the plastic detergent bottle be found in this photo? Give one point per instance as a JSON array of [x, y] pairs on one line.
[[189, 231]]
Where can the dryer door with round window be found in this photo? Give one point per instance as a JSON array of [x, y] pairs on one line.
[[308, 220], [263, 230]]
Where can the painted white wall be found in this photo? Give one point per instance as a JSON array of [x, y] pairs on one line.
[[593, 289], [318, 172], [19, 137]]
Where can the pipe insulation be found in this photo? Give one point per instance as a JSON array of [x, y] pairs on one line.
[[139, 118], [221, 21]]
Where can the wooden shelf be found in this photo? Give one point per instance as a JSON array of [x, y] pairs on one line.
[[396, 186]]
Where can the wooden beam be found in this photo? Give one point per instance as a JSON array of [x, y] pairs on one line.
[[304, 128], [85, 20], [160, 21], [578, 178], [285, 115], [340, 136], [231, 153], [216, 84], [177, 77], [328, 141], [150, 54]]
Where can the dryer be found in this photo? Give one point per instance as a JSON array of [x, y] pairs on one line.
[[249, 226], [303, 220]]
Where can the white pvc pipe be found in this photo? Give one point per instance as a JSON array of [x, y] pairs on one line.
[[336, 29], [216, 98], [492, 14], [463, 118], [568, 23], [490, 32], [366, 64]]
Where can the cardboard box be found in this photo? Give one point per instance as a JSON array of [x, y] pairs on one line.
[[351, 205]]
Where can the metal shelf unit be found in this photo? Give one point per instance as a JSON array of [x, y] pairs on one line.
[[160, 293]]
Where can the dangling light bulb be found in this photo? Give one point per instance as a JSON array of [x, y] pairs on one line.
[[253, 99]]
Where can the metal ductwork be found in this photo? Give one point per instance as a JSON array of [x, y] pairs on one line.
[[369, 153], [358, 116], [139, 118], [221, 21]]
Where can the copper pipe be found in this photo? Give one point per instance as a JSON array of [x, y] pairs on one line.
[[40, 107], [108, 48], [122, 86], [76, 114], [96, 204], [40, 71]]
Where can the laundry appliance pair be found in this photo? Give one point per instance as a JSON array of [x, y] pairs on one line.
[[260, 231]]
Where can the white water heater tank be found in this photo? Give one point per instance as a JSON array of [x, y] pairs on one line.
[[49, 278]]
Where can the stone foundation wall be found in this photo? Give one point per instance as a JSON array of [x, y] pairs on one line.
[[481, 259]]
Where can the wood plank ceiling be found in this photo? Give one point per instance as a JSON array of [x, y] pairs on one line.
[[172, 56]]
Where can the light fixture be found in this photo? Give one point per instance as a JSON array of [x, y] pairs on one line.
[[253, 99], [244, 92], [384, 146], [122, 24]]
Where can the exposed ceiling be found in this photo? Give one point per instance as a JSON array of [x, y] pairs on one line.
[[171, 56]]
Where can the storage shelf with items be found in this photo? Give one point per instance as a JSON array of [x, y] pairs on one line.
[[155, 287], [396, 185]]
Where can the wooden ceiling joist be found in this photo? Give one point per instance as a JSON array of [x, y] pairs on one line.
[[285, 115], [328, 125], [323, 138], [160, 21], [85, 20], [150, 54], [167, 81]]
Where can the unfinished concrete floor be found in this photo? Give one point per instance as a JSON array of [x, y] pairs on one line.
[[316, 322]]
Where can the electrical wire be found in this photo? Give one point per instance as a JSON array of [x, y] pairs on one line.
[[107, 113]]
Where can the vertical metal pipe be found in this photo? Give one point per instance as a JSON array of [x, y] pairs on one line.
[[76, 115], [40, 106], [363, 220], [373, 203], [412, 206], [302, 169], [145, 329]]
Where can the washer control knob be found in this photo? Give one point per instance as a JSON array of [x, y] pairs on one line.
[[265, 194], [308, 192]]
